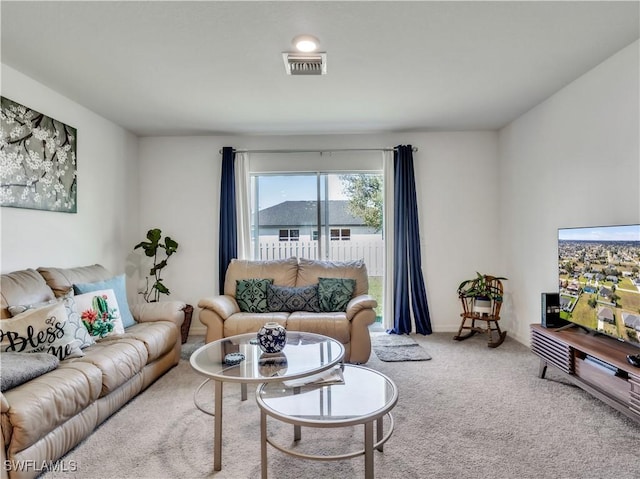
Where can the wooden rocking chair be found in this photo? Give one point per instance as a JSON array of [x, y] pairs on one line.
[[476, 309]]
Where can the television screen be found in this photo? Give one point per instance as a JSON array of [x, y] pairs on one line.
[[599, 285]]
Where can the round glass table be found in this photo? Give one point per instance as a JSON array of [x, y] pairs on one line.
[[364, 396], [305, 354]]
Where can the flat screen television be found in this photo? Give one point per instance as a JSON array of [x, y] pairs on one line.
[[599, 279]]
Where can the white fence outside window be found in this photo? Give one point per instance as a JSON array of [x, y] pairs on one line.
[[371, 251]]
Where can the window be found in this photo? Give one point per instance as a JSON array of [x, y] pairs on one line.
[[343, 234], [289, 235], [318, 215]]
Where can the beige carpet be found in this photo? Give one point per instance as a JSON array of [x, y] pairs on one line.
[[470, 412]]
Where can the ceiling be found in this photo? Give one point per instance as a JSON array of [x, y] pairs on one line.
[[181, 68]]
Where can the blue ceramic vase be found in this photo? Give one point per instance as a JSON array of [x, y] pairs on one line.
[[272, 338]]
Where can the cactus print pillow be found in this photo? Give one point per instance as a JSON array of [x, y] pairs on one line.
[[335, 293], [119, 286], [99, 313]]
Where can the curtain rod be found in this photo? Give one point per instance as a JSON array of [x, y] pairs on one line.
[[334, 150]]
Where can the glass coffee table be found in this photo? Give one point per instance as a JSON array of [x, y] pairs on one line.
[[305, 354], [364, 397]]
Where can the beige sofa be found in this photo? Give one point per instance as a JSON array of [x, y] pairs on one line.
[[47, 416], [223, 318]]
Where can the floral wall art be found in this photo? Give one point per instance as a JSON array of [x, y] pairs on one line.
[[37, 160]]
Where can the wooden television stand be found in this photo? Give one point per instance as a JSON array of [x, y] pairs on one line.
[[595, 363]]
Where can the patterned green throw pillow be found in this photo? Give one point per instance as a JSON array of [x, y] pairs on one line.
[[251, 294], [335, 293], [290, 300]]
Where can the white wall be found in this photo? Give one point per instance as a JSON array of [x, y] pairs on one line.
[[459, 216], [573, 160], [455, 173], [179, 193], [103, 230]]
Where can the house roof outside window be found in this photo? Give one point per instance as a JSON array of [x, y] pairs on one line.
[[297, 213]]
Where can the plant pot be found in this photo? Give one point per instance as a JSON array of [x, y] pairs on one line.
[[184, 329], [482, 305]]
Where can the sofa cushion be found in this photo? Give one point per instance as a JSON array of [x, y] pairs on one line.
[[283, 272], [310, 271], [158, 337], [100, 313], [73, 316], [44, 403], [118, 285], [335, 293], [44, 329], [23, 287], [118, 359], [288, 300], [251, 294], [61, 280], [334, 325], [18, 368], [241, 323]]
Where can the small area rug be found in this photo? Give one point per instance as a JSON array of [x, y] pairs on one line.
[[396, 348]]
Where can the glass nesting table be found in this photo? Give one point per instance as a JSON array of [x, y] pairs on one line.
[[305, 354], [364, 397]]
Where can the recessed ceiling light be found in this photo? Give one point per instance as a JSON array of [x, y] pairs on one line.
[[306, 43]]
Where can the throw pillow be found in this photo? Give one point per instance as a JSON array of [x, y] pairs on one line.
[[118, 285], [289, 300], [18, 368], [99, 313], [43, 329], [335, 293], [251, 294], [73, 317]]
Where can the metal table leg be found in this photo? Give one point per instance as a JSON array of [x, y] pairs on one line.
[[297, 430], [368, 450], [263, 444], [217, 428]]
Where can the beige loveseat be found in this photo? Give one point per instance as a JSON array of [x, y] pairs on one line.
[[222, 316], [47, 416]]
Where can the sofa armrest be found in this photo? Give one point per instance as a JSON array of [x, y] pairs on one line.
[[224, 306], [359, 303], [4, 404], [5, 435], [162, 311]]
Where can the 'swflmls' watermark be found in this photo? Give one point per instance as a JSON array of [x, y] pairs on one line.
[[31, 465]]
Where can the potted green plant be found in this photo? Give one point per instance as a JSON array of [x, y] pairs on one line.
[[481, 291], [160, 251]]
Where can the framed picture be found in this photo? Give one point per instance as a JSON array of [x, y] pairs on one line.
[[38, 159]]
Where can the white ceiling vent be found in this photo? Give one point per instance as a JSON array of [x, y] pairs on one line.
[[305, 63]]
